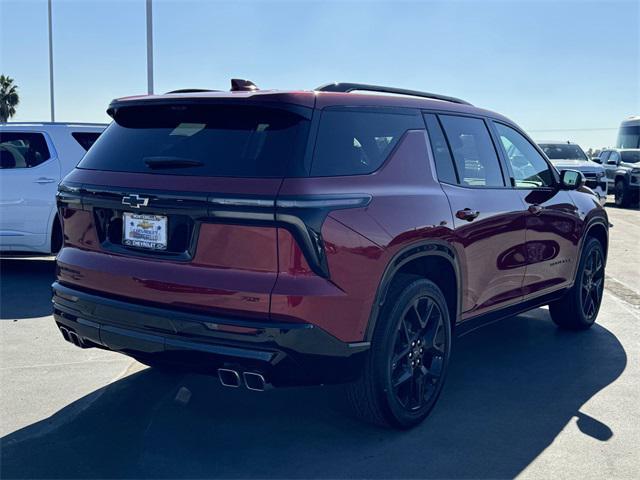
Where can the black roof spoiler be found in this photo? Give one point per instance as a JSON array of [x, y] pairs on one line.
[[350, 87]]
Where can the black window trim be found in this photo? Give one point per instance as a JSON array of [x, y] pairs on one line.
[[503, 172], [53, 153], [503, 154], [433, 153]]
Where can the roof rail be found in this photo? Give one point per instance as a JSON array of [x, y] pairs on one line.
[[191, 90], [350, 87]]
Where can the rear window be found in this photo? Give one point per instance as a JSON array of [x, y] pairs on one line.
[[85, 139], [22, 149], [357, 142], [207, 140]]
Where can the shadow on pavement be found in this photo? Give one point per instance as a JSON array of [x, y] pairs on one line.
[[25, 287], [513, 387]]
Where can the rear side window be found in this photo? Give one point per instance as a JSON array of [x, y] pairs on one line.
[[442, 156], [85, 139], [22, 149], [351, 142], [208, 140], [473, 151]]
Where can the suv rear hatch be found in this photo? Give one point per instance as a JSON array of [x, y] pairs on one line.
[[175, 203]]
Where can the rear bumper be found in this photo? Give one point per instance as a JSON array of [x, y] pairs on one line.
[[285, 353]]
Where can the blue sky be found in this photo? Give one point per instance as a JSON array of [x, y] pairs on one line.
[[561, 69]]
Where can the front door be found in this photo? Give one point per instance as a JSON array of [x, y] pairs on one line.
[[553, 225], [29, 177], [610, 166]]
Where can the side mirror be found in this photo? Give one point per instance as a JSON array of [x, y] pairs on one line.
[[571, 179], [596, 159]]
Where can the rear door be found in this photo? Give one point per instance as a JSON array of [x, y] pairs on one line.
[[553, 224], [29, 176], [489, 229]]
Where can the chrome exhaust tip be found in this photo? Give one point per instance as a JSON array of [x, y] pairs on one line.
[[254, 381], [75, 339], [229, 378], [65, 334]]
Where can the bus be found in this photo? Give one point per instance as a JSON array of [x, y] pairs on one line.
[[629, 133]]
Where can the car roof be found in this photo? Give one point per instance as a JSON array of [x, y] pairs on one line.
[[556, 142], [313, 99], [632, 120]]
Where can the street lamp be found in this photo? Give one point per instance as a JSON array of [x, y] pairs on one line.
[[149, 48], [53, 114]]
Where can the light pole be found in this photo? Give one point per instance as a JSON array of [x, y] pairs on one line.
[[149, 48], [53, 114]]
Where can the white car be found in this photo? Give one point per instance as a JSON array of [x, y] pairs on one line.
[[569, 156], [34, 157]]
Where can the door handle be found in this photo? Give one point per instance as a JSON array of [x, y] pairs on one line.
[[467, 214], [535, 209], [45, 180]]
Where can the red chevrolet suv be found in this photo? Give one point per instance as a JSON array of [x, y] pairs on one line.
[[279, 238]]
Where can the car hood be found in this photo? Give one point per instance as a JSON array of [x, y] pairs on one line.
[[565, 164], [630, 166]]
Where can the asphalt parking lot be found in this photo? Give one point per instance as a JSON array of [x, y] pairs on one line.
[[523, 399]]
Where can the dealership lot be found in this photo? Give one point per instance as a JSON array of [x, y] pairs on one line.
[[523, 399]]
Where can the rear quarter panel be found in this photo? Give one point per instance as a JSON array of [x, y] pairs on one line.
[[407, 206]]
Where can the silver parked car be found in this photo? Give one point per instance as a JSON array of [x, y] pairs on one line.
[[569, 156]]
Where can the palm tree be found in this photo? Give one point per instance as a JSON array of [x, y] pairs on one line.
[[8, 98]]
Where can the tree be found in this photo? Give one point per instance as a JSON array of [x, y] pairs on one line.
[[8, 98]]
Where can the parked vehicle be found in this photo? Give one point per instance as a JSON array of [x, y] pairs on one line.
[[567, 155], [34, 157], [308, 237], [629, 133], [622, 167]]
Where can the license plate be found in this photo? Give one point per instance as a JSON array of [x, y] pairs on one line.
[[144, 231]]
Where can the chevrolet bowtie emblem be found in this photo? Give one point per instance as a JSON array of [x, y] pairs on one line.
[[134, 201]]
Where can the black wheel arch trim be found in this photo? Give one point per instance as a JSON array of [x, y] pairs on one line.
[[427, 248]]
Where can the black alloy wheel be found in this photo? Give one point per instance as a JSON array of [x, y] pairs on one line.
[[407, 364], [592, 284], [419, 353], [579, 307]]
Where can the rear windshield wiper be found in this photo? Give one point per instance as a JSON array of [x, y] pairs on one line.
[[171, 162]]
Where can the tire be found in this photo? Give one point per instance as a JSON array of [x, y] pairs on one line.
[[623, 196], [400, 337], [56, 236], [578, 309]]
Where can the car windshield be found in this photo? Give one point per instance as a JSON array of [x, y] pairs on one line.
[[629, 137], [631, 157], [563, 151]]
